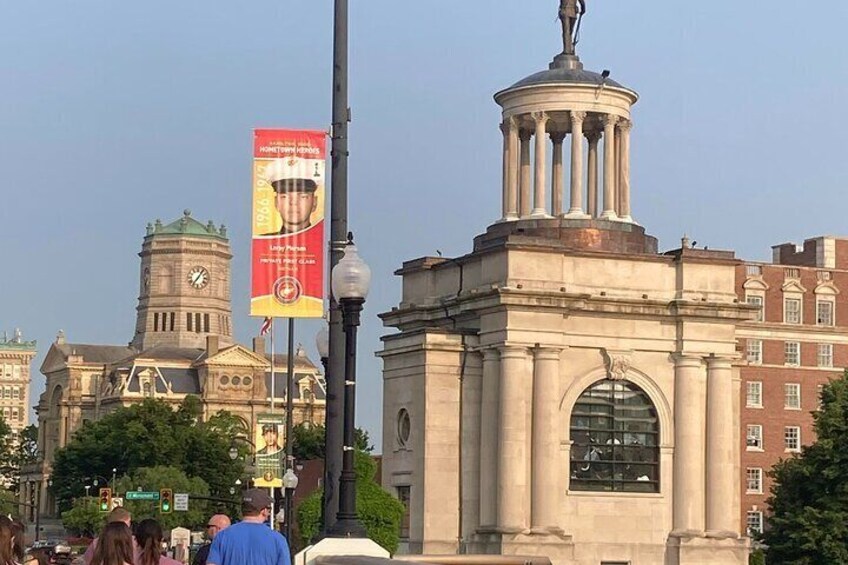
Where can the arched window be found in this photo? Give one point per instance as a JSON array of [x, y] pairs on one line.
[[615, 440]]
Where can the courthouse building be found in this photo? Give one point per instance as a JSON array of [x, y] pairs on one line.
[[564, 389], [182, 345]]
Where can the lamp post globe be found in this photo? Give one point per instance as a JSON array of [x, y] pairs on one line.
[[351, 278], [290, 480], [322, 341]]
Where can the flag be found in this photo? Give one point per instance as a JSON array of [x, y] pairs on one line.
[[266, 326]]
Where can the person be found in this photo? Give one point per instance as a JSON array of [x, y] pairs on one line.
[[118, 514], [271, 438], [114, 545], [214, 526], [149, 536], [40, 556], [251, 541], [295, 202], [7, 542], [18, 530]]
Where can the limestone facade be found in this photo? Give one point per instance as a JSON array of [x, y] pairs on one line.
[[16, 356]]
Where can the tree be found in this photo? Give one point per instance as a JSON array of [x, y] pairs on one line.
[[147, 434], [24, 453], [379, 511], [809, 495], [84, 517], [309, 441]]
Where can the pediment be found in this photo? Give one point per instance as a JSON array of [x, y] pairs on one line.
[[827, 288], [235, 356], [755, 284], [55, 360], [793, 286]]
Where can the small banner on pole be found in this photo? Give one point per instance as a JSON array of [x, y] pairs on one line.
[[269, 438], [288, 223]]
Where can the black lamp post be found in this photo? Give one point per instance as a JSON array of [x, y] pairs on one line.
[[350, 281]]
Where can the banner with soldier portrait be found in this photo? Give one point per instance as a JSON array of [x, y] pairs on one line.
[[288, 223], [269, 439]]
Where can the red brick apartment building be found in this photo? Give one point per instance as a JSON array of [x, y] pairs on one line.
[[798, 342]]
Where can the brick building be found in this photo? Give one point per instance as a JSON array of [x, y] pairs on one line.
[[795, 345]]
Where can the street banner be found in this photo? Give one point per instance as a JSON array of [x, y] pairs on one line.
[[288, 223], [269, 439]]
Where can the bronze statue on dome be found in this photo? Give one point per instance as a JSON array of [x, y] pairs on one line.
[[571, 13]]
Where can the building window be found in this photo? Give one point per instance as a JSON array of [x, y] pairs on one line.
[[825, 356], [197, 322], [824, 313], [206, 323], [403, 494], [156, 321], [754, 351], [823, 276], [755, 522], [615, 438], [754, 394], [755, 480], [189, 319], [173, 320], [16, 392], [792, 438], [755, 300], [792, 310], [753, 270], [792, 396], [404, 427], [792, 273], [755, 437], [792, 353]]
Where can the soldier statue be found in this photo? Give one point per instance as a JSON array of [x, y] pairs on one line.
[[571, 13]]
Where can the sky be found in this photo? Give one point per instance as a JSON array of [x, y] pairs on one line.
[[113, 114]]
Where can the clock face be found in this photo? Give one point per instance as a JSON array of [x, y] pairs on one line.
[[198, 277]]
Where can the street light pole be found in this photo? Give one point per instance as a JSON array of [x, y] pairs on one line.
[[333, 424], [287, 504], [350, 281]]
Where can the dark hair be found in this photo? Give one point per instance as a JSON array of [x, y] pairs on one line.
[[114, 546], [18, 530], [7, 533], [148, 534], [41, 555]]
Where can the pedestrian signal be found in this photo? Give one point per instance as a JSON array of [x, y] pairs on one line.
[[166, 501], [105, 499]]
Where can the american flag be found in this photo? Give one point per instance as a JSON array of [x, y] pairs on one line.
[[266, 326]]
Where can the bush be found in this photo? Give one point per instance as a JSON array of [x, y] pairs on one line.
[[757, 557], [378, 510]]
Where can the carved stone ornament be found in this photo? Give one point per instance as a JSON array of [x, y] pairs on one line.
[[617, 363]]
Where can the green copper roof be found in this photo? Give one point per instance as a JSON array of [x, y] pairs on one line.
[[187, 226]]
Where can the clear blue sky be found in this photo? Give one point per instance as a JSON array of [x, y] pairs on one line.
[[113, 114]]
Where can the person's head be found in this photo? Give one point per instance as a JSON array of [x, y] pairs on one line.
[[18, 530], [41, 555], [295, 201], [7, 541], [269, 434], [149, 535], [215, 524], [255, 503], [120, 514], [114, 545]]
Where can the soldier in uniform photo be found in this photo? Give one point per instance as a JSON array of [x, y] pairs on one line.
[[295, 201], [271, 438]]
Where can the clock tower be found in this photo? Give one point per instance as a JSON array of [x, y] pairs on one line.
[[184, 286]]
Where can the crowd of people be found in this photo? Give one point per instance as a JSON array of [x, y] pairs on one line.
[[121, 542]]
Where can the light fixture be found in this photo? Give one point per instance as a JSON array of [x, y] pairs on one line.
[[290, 480], [322, 341], [351, 278]]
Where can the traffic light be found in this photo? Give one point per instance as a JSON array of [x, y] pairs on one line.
[[105, 499], [166, 501]]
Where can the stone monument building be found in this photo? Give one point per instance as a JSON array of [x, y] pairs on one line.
[[563, 389], [182, 345]]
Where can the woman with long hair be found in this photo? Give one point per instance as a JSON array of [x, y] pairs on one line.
[[7, 542], [148, 535], [114, 546]]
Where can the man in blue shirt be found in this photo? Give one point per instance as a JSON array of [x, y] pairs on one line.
[[250, 541]]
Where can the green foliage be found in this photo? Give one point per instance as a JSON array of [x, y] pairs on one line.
[[157, 478], [149, 434], [378, 510], [809, 495], [84, 518], [309, 441], [757, 557]]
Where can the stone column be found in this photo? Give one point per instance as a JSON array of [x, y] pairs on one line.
[[593, 138], [689, 422], [510, 180], [63, 426], [524, 203], [545, 467], [721, 478], [576, 209], [489, 438], [540, 179], [618, 169], [624, 128], [513, 492], [556, 178], [609, 121]]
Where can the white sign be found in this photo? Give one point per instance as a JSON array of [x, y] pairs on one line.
[[117, 501], [181, 501]]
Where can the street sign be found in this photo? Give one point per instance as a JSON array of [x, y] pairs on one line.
[[142, 495], [181, 501], [117, 501]]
